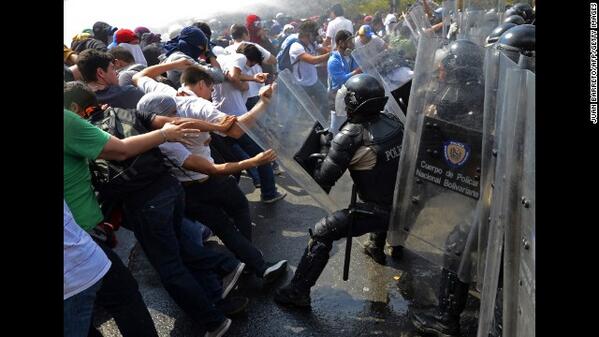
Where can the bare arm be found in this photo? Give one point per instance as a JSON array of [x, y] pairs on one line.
[[271, 60], [202, 165], [121, 149], [306, 57], [155, 70], [259, 77], [427, 9], [234, 76], [223, 126], [249, 117]]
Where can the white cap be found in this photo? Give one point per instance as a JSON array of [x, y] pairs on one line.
[[390, 18]]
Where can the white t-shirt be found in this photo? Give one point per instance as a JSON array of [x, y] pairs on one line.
[[255, 69], [190, 106], [304, 72], [233, 100], [84, 261], [337, 24]]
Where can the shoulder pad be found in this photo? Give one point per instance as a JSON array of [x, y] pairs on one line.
[[351, 129]]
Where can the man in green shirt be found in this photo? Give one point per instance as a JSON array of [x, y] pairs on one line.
[[119, 293], [84, 141]]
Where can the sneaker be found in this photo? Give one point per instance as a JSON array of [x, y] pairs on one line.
[[224, 327], [278, 196], [230, 281], [289, 296], [274, 271], [232, 305], [276, 169]]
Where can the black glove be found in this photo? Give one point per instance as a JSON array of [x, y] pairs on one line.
[[325, 141]]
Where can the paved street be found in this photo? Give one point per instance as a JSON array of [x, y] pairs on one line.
[[375, 301]]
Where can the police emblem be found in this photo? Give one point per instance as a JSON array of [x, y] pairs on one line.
[[456, 154]]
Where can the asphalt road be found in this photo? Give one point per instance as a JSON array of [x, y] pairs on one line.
[[376, 301]]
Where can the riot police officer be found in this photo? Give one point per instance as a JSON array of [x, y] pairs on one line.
[[369, 145], [444, 320]]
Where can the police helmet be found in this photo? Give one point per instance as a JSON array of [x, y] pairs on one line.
[[517, 40], [463, 62], [496, 33], [365, 95], [515, 19]]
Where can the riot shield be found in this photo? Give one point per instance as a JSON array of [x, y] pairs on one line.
[[438, 182], [478, 19], [417, 22], [519, 257], [290, 126], [512, 205], [393, 67], [495, 72]]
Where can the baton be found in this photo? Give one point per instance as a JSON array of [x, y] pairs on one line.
[[348, 241]]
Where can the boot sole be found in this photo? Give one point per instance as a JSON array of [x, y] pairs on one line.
[[275, 275]]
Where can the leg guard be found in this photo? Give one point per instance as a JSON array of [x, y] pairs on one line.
[[311, 265], [445, 320]]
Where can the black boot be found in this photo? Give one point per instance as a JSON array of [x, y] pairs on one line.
[[375, 247], [297, 292], [445, 319]]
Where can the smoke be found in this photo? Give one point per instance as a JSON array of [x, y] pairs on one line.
[[159, 15]]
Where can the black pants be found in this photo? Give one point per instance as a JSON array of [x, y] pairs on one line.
[[333, 228], [119, 295], [219, 204]]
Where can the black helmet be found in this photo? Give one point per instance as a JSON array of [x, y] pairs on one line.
[[437, 16], [525, 11], [496, 33], [463, 62], [365, 95], [518, 40], [515, 19], [509, 12]]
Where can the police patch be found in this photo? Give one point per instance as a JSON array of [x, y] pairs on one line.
[[456, 154]]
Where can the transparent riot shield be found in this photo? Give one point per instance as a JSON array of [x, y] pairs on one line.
[[290, 126], [393, 67], [478, 19], [514, 133], [438, 182], [450, 15], [417, 22], [494, 75], [519, 257]]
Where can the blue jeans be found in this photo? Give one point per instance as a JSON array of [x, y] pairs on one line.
[[221, 205], [78, 310], [156, 213], [207, 266], [267, 177]]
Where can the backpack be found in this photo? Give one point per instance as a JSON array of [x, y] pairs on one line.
[[283, 58], [112, 179]]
